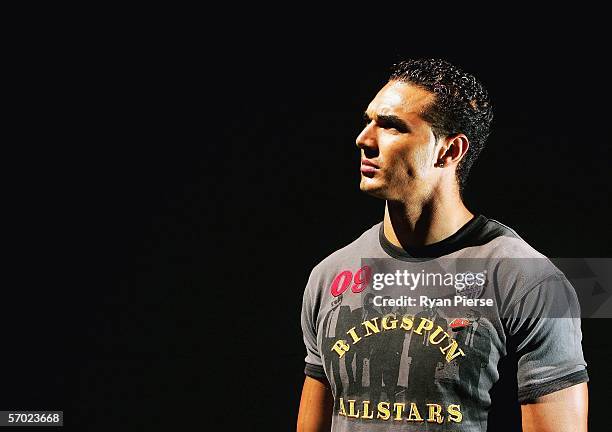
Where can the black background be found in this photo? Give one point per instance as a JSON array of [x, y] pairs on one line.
[[176, 188]]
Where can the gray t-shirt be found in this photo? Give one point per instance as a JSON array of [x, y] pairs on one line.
[[420, 339]]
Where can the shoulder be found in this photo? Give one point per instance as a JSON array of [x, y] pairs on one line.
[[515, 265], [348, 257], [497, 240], [361, 247]]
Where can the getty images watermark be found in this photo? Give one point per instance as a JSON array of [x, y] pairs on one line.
[[460, 282], [550, 288]]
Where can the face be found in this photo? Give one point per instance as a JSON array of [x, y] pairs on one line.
[[398, 147]]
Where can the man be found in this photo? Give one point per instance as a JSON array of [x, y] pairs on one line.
[[424, 129]]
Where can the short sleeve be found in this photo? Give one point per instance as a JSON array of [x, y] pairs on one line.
[[314, 364], [544, 328]]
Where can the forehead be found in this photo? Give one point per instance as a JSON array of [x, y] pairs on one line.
[[401, 99]]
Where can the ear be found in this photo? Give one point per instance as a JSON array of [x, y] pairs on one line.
[[452, 151]]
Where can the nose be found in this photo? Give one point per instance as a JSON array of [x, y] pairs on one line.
[[367, 138]]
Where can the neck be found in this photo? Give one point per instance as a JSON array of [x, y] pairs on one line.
[[408, 224]]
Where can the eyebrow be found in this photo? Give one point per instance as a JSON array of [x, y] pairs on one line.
[[389, 120]]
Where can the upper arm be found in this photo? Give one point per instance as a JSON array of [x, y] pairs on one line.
[[316, 406], [562, 411], [317, 402], [309, 322], [551, 368], [545, 332]]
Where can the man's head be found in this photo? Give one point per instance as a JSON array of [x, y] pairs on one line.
[[424, 129]]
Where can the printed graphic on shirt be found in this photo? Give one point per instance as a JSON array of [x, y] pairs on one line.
[[387, 363]]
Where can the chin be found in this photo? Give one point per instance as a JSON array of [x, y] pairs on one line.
[[372, 187]]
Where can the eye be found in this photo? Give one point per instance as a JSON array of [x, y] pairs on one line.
[[392, 124], [386, 124]]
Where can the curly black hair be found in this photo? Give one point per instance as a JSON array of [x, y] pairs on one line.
[[462, 104]]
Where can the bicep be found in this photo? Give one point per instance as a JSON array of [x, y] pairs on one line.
[[316, 406], [562, 411]]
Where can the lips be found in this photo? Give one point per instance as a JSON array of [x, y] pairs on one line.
[[368, 168]]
